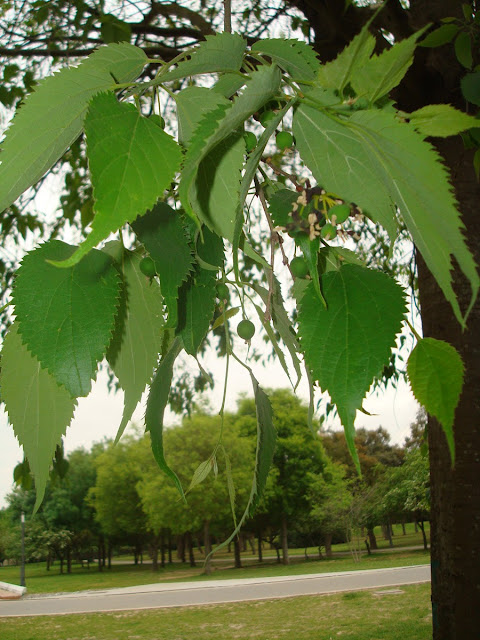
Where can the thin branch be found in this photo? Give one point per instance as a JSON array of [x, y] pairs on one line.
[[227, 16]]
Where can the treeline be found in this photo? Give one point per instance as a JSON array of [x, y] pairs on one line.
[[114, 498]]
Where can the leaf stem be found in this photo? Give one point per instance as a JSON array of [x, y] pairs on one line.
[[413, 330]]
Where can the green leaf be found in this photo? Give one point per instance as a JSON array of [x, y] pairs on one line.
[[39, 410], [435, 371], [51, 118], [310, 250], [196, 308], [441, 120], [463, 49], [379, 163], [132, 161], [219, 53], [215, 194], [266, 439], [162, 234], [219, 124], [378, 76], [338, 73], [229, 83], [280, 206], [201, 473], [281, 322], [347, 344], [156, 403], [273, 340], [114, 30], [440, 36], [470, 85], [197, 298], [293, 56], [133, 352], [193, 103], [66, 316]]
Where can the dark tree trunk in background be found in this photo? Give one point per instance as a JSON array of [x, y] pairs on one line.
[[284, 539], [328, 545], [260, 550], [455, 492], [208, 547], [372, 539], [237, 553]]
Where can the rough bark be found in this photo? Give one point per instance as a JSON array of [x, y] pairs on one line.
[[372, 539]]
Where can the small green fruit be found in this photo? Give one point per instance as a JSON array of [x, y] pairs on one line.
[[328, 231], [246, 329], [340, 211], [147, 267], [284, 140], [266, 117], [299, 267], [222, 291], [250, 141]]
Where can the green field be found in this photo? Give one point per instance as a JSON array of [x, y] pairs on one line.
[[359, 615]]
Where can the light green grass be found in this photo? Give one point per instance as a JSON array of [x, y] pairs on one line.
[[39, 580], [359, 615]]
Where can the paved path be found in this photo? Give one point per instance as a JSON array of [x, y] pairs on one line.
[[212, 592]]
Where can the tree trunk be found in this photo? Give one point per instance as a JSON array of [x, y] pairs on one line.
[[162, 549], [236, 552], [284, 539], [154, 551], [372, 539], [388, 529], [404, 531], [421, 524], [181, 548], [69, 561], [259, 544], [189, 544], [208, 547], [328, 545], [169, 542], [455, 492]]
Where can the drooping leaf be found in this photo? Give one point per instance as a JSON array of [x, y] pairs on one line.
[[132, 161], [273, 340], [463, 49], [441, 120], [137, 341], [310, 250], [66, 316], [221, 52], [39, 409], [297, 58], [378, 162], [282, 323], [51, 118], [347, 344], [378, 76], [219, 124], [156, 404], [266, 439], [215, 194], [201, 473], [163, 236], [435, 371], [338, 73], [197, 297]]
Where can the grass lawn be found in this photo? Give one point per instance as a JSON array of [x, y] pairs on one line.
[[39, 580], [359, 615]]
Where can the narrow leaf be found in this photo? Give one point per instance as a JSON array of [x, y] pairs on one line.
[[297, 58], [338, 73], [39, 409], [218, 53], [66, 316], [441, 120], [162, 234], [133, 353], [435, 371], [156, 404], [51, 117], [132, 161], [377, 77], [201, 473], [347, 344], [442, 35]]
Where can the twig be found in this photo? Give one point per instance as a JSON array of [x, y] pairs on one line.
[[227, 16]]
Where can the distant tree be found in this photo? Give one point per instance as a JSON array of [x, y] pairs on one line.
[[299, 455]]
